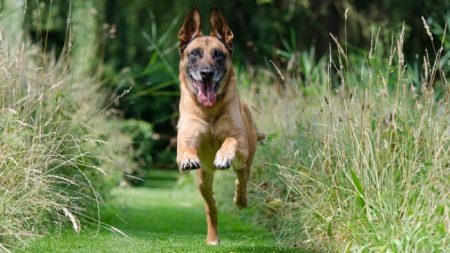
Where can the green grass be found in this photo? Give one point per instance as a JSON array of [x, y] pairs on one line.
[[53, 161], [162, 218], [356, 159], [358, 162]]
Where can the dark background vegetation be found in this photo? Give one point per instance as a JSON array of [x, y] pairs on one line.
[[135, 46]]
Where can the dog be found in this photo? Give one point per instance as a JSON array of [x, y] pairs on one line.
[[215, 128]]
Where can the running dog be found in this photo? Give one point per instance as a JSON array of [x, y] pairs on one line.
[[215, 128]]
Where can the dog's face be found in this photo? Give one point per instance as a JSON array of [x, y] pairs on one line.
[[205, 60]]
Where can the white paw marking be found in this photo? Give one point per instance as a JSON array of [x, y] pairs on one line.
[[223, 160]]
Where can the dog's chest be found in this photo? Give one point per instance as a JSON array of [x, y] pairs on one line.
[[211, 142], [214, 136], [209, 146]]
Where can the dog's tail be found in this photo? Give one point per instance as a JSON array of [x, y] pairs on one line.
[[260, 136]]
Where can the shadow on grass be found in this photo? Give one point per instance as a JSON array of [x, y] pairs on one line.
[[264, 250], [162, 179], [135, 221]]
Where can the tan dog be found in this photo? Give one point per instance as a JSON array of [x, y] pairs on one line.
[[215, 129]]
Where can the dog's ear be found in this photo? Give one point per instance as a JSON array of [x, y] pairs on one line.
[[220, 28], [190, 29]]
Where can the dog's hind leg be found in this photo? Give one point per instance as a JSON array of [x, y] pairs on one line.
[[242, 177], [205, 184], [240, 191]]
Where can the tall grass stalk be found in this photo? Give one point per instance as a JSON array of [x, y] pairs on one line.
[[361, 162], [55, 166]]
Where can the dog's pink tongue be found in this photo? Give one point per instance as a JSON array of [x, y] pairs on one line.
[[211, 94], [207, 95]]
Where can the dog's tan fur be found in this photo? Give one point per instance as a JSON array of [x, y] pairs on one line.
[[220, 134]]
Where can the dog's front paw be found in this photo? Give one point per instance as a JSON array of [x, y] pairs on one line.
[[190, 164], [223, 160], [189, 161]]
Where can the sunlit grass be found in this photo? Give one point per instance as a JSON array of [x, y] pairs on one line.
[[55, 166], [361, 162], [163, 217]]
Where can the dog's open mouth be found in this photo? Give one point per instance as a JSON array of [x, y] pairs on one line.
[[206, 92]]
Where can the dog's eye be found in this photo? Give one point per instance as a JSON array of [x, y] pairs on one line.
[[196, 52], [218, 54]]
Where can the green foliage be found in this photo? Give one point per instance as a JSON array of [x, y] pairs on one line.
[[59, 157], [346, 134], [361, 165], [135, 42], [141, 133], [148, 64], [439, 27], [142, 136]]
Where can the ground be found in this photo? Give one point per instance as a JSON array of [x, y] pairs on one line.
[[161, 217]]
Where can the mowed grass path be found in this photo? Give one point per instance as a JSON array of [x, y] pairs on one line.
[[160, 218]]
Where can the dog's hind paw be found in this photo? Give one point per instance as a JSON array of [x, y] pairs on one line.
[[240, 201], [213, 242], [190, 164]]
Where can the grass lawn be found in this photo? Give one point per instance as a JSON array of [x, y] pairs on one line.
[[160, 218]]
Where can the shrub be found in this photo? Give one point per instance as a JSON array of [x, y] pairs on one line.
[[143, 137]]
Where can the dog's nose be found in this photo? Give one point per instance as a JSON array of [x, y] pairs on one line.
[[206, 74]]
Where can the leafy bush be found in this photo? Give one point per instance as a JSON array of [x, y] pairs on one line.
[[142, 135]]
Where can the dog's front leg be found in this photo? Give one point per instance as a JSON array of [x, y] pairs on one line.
[[232, 152], [187, 144]]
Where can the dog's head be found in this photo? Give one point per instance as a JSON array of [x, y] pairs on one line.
[[205, 60]]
